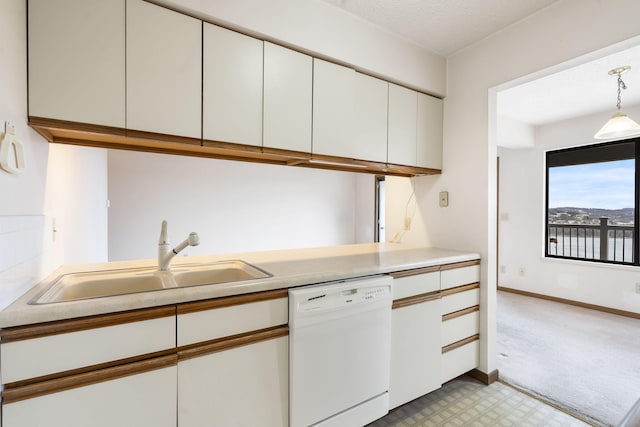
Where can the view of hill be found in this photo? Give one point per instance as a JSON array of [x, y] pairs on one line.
[[572, 215]]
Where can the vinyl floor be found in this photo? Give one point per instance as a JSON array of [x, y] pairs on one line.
[[465, 402]]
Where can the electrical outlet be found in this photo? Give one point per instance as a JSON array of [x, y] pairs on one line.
[[503, 269], [444, 199], [638, 288], [407, 224], [521, 271]]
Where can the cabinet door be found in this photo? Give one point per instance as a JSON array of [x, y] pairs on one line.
[[333, 108], [429, 132], [232, 87], [287, 98], [370, 128], [146, 399], [163, 70], [77, 60], [402, 125], [415, 351], [244, 386]]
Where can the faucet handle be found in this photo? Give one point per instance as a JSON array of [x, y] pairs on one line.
[[163, 234]]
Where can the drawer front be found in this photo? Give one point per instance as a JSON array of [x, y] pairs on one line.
[[462, 359], [35, 357], [459, 301], [415, 285], [460, 276], [222, 322], [462, 327]]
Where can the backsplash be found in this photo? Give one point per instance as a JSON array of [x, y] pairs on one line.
[[22, 255]]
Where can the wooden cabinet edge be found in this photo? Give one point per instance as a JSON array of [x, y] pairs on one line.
[[462, 264], [460, 313], [416, 299], [228, 343], [16, 394], [414, 272], [460, 343], [191, 307], [40, 330], [458, 289]]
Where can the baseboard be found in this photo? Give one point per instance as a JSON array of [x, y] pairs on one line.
[[482, 377], [572, 302]]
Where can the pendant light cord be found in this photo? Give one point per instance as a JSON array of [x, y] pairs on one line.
[[621, 86]]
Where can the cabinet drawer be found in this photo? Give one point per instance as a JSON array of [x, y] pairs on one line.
[[450, 278], [459, 328], [460, 301], [22, 359], [205, 325], [460, 360], [415, 285]]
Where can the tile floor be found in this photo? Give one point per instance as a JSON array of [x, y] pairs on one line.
[[465, 402]]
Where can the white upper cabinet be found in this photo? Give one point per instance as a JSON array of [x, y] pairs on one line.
[[163, 70], [287, 98], [232, 87], [76, 60], [402, 125], [334, 91], [429, 132], [370, 128]]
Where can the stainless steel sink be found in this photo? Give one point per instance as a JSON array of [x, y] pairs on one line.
[[98, 284]]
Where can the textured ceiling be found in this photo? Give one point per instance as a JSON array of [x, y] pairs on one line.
[[442, 26]]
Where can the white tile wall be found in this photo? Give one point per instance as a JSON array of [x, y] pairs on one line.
[[22, 255]]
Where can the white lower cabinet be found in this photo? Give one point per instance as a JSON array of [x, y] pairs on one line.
[[244, 386], [415, 351], [145, 399]]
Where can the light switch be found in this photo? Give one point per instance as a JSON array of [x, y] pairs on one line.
[[444, 199]]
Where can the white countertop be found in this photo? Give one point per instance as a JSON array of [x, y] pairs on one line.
[[290, 268]]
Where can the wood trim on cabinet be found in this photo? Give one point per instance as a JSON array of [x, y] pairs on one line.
[[459, 265], [458, 289], [460, 313], [414, 272], [40, 330], [228, 343], [461, 343], [572, 302], [191, 307], [415, 299], [84, 134], [16, 394]]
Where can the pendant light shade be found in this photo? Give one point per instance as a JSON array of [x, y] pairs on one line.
[[619, 125]]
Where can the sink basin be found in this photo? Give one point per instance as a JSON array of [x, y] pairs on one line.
[[222, 272], [97, 284], [71, 287]]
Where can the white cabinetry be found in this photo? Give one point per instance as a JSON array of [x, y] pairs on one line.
[[76, 60], [333, 108], [233, 365], [164, 51], [415, 337], [232, 87], [288, 88], [402, 125], [429, 132], [370, 125]]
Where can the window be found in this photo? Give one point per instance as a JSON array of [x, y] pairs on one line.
[[592, 203]]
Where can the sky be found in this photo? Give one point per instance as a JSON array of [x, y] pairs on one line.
[[607, 185]]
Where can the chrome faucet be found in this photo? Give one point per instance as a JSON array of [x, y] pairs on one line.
[[165, 254]]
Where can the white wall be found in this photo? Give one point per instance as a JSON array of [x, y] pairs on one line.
[[234, 207], [563, 31], [330, 32], [522, 241]]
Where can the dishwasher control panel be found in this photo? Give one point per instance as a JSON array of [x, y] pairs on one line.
[[353, 296]]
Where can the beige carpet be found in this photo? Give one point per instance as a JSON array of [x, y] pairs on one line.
[[584, 361]]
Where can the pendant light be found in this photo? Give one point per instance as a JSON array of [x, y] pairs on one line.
[[619, 125]]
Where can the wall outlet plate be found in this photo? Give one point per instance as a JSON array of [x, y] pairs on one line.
[[444, 199]]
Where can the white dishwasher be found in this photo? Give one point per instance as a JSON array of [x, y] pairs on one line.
[[339, 350]]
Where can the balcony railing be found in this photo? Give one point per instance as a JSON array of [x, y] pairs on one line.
[[582, 241]]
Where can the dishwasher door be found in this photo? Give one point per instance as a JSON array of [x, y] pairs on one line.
[[339, 350]]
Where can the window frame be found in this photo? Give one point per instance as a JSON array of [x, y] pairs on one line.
[[613, 150]]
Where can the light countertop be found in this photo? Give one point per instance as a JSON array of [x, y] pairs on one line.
[[290, 268]]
